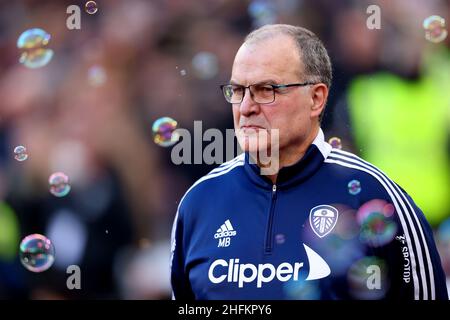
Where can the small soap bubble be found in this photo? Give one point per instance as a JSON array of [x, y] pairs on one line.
[[59, 184], [335, 142], [96, 76], [33, 44], [262, 12], [37, 253], [377, 226], [164, 133], [91, 7], [354, 187], [205, 65], [367, 278], [302, 290], [20, 153], [435, 29], [280, 238]]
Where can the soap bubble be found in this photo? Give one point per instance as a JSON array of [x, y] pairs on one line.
[[91, 7], [302, 290], [435, 29], [20, 153], [335, 142], [377, 226], [37, 253], [96, 76], [367, 279], [164, 132], [59, 184], [354, 187], [33, 44], [280, 238], [205, 65], [262, 12]]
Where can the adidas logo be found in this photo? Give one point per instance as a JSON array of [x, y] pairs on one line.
[[225, 230], [224, 234]]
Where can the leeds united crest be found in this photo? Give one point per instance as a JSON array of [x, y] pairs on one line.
[[322, 219]]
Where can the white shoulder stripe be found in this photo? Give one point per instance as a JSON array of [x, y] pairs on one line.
[[211, 175], [208, 176], [403, 199], [395, 195], [214, 175], [228, 164], [394, 201]]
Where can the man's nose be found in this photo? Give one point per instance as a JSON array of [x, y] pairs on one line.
[[248, 105]]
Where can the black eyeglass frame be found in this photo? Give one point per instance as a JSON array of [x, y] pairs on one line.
[[274, 86]]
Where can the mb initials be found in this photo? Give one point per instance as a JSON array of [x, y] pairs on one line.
[[224, 234]]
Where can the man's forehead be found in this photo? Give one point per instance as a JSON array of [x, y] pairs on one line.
[[270, 57], [276, 44]]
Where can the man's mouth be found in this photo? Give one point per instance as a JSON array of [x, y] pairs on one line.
[[251, 127]]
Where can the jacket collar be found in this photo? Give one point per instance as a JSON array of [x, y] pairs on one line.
[[289, 176]]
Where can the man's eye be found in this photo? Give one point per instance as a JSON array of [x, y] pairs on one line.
[[264, 89], [280, 90], [237, 90]]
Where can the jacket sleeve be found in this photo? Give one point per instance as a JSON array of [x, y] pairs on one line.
[[414, 269], [181, 288]]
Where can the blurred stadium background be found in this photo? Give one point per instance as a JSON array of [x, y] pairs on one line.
[[89, 113]]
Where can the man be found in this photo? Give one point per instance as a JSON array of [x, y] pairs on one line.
[[325, 225]]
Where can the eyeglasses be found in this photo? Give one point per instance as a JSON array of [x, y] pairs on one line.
[[260, 93]]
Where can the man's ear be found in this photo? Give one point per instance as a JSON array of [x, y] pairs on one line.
[[319, 98]]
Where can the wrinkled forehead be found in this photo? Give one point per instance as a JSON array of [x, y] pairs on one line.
[[275, 56]]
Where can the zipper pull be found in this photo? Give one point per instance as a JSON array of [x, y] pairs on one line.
[[274, 188]]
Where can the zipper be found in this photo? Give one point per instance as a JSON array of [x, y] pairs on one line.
[[268, 244]]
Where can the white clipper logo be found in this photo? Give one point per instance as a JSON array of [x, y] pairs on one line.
[[322, 219], [234, 271]]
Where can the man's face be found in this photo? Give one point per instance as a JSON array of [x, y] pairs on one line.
[[272, 61]]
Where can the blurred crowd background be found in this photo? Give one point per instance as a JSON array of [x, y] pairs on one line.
[[89, 113]]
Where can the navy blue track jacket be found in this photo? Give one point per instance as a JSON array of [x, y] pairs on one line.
[[332, 227]]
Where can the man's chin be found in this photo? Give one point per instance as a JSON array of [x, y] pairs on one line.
[[251, 145]]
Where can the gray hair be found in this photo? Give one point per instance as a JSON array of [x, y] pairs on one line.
[[312, 52]]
